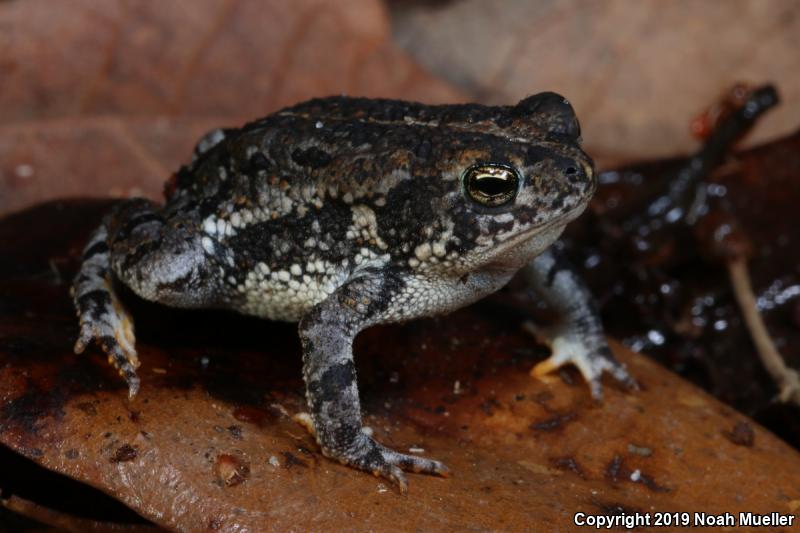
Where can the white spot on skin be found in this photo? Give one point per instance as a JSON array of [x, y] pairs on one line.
[[208, 245], [423, 251], [296, 270], [284, 276], [365, 226], [504, 218], [484, 240]]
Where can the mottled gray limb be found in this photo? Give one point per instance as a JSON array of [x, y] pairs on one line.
[[160, 261], [103, 318], [327, 334], [578, 336]]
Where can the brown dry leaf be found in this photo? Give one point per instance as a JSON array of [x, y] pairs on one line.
[[209, 442], [108, 98], [637, 72]]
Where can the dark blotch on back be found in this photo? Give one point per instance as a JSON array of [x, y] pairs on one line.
[[311, 157], [258, 161], [409, 200]]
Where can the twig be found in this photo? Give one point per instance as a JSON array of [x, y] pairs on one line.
[[67, 522], [686, 195], [787, 379]]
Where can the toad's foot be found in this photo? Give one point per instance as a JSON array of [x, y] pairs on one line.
[[103, 319], [373, 457], [590, 354], [366, 454], [578, 336], [115, 336]]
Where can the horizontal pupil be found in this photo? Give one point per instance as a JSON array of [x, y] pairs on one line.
[[492, 186]]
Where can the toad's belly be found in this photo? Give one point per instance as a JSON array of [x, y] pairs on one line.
[[286, 296], [418, 296], [428, 297]]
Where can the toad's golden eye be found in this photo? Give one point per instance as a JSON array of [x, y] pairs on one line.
[[491, 185]]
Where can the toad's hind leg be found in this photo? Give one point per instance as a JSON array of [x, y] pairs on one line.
[[160, 259], [102, 316]]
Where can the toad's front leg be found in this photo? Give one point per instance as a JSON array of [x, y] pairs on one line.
[[327, 334], [578, 336]]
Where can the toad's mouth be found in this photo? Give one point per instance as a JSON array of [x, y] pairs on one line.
[[515, 236], [522, 245]]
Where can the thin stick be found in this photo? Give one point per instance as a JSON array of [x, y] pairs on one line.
[[786, 378], [67, 522]]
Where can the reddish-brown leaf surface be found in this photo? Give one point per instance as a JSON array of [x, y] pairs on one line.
[[209, 443], [108, 98]]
